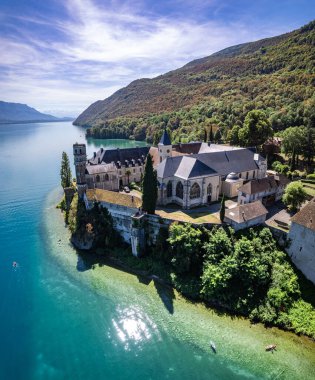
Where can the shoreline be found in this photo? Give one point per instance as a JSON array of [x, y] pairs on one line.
[[241, 344], [105, 258]]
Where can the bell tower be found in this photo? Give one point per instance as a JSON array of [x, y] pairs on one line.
[[165, 146], [79, 153]]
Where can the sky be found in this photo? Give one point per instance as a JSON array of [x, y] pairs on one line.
[[59, 56]]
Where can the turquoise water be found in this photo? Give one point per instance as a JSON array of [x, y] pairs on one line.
[[61, 319]]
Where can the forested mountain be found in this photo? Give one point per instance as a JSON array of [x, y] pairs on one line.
[[17, 112], [276, 75]]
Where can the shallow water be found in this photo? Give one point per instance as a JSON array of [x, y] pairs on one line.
[[64, 320]]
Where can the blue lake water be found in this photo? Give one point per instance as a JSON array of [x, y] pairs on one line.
[[62, 320]]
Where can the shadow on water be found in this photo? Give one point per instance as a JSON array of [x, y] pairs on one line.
[[166, 295]]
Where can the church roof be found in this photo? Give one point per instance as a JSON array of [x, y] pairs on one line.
[[225, 162], [107, 156], [191, 167], [218, 162], [306, 216], [183, 167], [165, 139]]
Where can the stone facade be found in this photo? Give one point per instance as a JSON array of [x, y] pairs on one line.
[[302, 240]]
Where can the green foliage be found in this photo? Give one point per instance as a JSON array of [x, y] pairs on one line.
[[232, 135], [97, 222], [274, 76], [149, 196], [311, 176], [256, 129], [294, 195], [65, 171], [248, 274], [280, 168], [185, 242]]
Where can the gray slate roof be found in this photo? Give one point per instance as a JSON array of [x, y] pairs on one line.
[[165, 139], [213, 163], [107, 156], [238, 160], [183, 167], [246, 212]]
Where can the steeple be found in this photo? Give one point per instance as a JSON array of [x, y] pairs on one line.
[[165, 146], [165, 139]]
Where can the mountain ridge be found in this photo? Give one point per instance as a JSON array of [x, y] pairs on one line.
[[11, 113], [212, 79]]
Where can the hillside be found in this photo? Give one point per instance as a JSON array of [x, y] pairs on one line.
[[274, 74], [19, 113]]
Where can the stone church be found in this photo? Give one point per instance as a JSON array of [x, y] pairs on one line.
[[189, 174]]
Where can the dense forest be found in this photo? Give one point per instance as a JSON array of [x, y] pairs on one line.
[[275, 75]]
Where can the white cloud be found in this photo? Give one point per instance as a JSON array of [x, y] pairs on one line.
[[101, 50]]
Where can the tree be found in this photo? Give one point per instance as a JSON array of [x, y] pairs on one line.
[[222, 209], [294, 195], [256, 129], [128, 172], [294, 140], [65, 171], [232, 135], [186, 242], [217, 135], [211, 137], [205, 136], [149, 195]]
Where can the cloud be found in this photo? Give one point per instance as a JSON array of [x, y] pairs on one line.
[[89, 50]]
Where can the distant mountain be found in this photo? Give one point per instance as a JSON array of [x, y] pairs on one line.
[[275, 74], [21, 113]]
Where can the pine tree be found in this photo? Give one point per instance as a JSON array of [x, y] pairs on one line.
[[65, 171], [222, 209], [149, 195]]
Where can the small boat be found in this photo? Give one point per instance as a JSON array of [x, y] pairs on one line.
[[271, 347], [212, 345]]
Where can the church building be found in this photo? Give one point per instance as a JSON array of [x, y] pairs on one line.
[[188, 175]]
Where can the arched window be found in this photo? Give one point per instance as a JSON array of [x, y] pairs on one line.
[[169, 189], [98, 178], [106, 177], [180, 190], [195, 191]]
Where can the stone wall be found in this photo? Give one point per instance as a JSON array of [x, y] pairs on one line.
[[302, 249]]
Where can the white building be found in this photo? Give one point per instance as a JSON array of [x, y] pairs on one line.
[[302, 240], [246, 215], [267, 190], [196, 174]]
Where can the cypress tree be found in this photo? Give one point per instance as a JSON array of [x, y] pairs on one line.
[[211, 137], [205, 136], [149, 194], [222, 209], [293, 159], [65, 171]]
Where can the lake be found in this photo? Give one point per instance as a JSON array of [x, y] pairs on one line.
[[62, 319]]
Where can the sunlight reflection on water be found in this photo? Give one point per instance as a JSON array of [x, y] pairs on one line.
[[133, 326]]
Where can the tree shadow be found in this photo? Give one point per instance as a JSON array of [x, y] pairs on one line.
[[166, 295]]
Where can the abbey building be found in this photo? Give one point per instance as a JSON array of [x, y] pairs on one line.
[[189, 174]]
